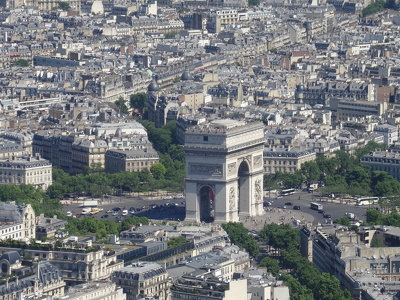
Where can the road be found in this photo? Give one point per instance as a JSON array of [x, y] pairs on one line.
[[164, 211], [161, 212], [335, 209]]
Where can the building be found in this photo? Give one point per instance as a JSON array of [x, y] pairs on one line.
[[77, 264], [390, 133], [48, 227], [9, 149], [28, 170], [224, 170], [288, 159], [207, 287], [134, 160], [99, 290], [17, 222], [385, 161], [46, 281], [142, 279]]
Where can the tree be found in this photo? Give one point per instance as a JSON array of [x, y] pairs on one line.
[[21, 63], [239, 236], [327, 166], [343, 221], [120, 103], [297, 290], [138, 101], [280, 236], [271, 264], [359, 176], [310, 171], [63, 5], [376, 242], [374, 217], [158, 171]]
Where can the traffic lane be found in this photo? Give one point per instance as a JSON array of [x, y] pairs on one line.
[[123, 203], [336, 210]]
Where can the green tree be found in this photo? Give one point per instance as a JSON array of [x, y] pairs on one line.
[[138, 101], [63, 5], [327, 166], [374, 217], [296, 289], [158, 171], [176, 241], [120, 103], [310, 171], [376, 242], [359, 176], [345, 161], [343, 221], [21, 63], [280, 236], [239, 235], [271, 264]]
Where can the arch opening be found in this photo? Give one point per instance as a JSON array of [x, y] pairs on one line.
[[207, 205], [243, 187]]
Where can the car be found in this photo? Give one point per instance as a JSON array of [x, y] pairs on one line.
[[116, 208], [320, 211], [328, 216], [104, 216], [100, 209], [278, 197], [296, 207], [125, 212], [115, 213], [173, 204], [282, 206], [110, 211], [183, 202], [179, 196], [288, 203], [168, 198], [69, 214]]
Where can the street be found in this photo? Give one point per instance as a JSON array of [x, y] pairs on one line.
[[335, 209]]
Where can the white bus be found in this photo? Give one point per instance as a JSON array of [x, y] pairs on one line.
[[367, 201], [287, 192], [316, 206]]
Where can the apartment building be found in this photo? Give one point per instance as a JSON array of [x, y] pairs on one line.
[[385, 161], [142, 279], [27, 170], [99, 290], [134, 160], [288, 159]]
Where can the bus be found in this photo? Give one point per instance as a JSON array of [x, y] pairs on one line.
[[316, 206], [367, 201], [287, 192]]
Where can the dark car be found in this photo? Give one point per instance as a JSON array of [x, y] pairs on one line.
[[296, 207], [328, 216], [104, 216], [288, 203]]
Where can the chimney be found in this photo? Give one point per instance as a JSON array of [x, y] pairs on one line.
[[37, 155], [16, 281]]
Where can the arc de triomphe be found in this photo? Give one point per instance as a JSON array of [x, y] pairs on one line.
[[224, 170]]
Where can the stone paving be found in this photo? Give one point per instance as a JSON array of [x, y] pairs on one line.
[[278, 216]]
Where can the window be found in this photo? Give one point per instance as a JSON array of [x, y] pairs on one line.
[[205, 138]]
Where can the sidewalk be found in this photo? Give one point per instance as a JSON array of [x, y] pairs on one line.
[[278, 216]]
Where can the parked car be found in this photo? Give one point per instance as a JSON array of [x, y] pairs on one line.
[[179, 196], [69, 214], [296, 207], [115, 213], [282, 206], [125, 212], [110, 211], [104, 216], [327, 216], [288, 203], [168, 198]]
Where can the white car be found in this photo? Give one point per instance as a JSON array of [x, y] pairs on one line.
[[125, 212], [179, 196], [69, 214], [168, 198]]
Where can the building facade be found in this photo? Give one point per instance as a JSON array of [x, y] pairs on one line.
[[130, 160], [29, 170], [288, 159], [142, 279]]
